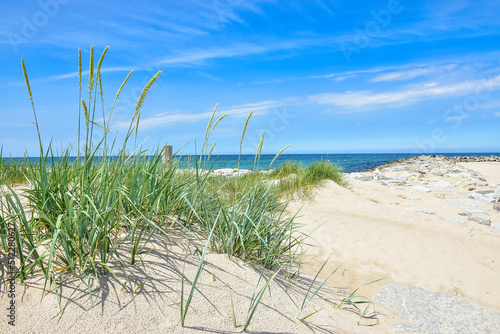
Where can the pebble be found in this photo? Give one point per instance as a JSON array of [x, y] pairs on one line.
[[496, 206]]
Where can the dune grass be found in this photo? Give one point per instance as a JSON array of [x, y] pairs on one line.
[[12, 172], [82, 209], [296, 179]]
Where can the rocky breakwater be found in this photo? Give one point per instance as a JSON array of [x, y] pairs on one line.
[[465, 196], [491, 158]]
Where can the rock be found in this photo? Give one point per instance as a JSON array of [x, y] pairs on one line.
[[482, 221], [471, 189], [381, 177], [465, 214], [422, 189], [444, 185], [495, 227], [479, 197], [438, 217], [496, 206], [484, 192], [493, 198]]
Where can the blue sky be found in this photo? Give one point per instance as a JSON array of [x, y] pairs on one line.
[[323, 76]]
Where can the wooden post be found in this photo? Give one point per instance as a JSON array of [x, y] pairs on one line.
[[166, 156]]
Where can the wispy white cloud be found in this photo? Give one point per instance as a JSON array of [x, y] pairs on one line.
[[353, 74], [345, 77], [413, 73], [197, 56], [259, 108], [243, 110], [497, 114], [85, 73], [368, 100]]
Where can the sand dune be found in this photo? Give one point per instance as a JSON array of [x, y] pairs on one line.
[[380, 229]]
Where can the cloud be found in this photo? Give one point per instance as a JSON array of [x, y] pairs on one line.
[[342, 78], [353, 74], [259, 108], [165, 119], [413, 73], [85, 73], [198, 56], [367, 100], [497, 114]]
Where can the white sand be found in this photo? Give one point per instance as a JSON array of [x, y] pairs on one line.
[[371, 229], [155, 308], [489, 170]]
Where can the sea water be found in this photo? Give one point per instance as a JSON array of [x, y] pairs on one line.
[[347, 162]]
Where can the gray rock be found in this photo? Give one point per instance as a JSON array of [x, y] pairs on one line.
[[465, 214], [495, 227], [482, 221], [487, 191], [422, 189], [479, 197], [435, 313], [381, 177], [438, 217], [496, 206]]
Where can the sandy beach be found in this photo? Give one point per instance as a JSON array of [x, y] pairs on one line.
[[426, 227]]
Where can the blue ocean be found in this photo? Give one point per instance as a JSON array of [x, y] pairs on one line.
[[347, 162]]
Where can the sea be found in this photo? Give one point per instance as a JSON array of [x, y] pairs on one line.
[[353, 162]]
